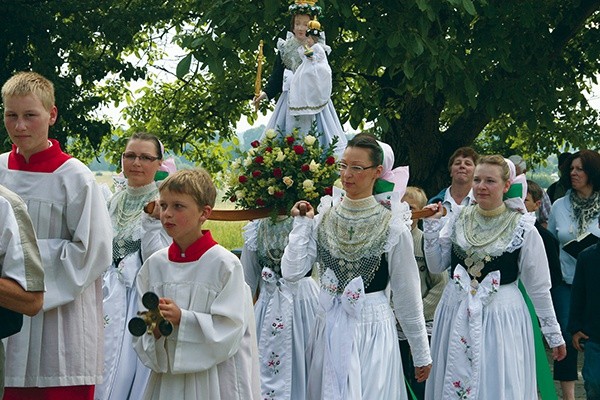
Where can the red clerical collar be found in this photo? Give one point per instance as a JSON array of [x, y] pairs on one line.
[[194, 252], [45, 161]]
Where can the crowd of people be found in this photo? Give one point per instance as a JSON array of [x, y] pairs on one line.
[[352, 298]]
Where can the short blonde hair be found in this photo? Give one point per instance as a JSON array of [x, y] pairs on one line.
[[24, 83], [194, 182], [417, 195]]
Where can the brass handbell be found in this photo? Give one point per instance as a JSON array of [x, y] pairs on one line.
[[147, 321]]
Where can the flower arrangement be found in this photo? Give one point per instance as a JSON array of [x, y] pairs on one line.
[[281, 169]]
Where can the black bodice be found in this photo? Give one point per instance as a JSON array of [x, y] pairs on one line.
[[507, 264]]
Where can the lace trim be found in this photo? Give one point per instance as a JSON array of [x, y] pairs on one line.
[[551, 330]]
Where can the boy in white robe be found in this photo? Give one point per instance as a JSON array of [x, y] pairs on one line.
[[211, 353], [58, 353], [21, 272]]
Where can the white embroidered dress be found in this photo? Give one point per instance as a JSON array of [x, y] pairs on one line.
[[482, 341], [285, 310], [353, 352], [311, 83]]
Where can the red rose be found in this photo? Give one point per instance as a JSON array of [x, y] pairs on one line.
[[259, 159], [255, 143], [256, 173], [260, 202], [328, 191], [233, 199], [289, 139], [304, 167], [277, 173], [299, 150], [279, 194], [269, 149], [330, 160], [242, 179]]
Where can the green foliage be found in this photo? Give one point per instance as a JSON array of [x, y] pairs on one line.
[[429, 76], [77, 44]]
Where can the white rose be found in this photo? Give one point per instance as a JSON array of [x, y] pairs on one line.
[[248, 161], [309, 140], [240, 194], [236, 164], [308, 184], [288, 181], [252, 151], [270, 133], [280, 157], [271, 190], [313, 166]]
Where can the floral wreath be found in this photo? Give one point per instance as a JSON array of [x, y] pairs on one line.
[[281, 169], [305, 7]]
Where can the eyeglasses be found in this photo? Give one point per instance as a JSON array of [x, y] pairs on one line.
[[355, 169], [144, 159]]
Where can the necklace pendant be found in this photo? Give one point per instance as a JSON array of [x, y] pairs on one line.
[[474, 286]]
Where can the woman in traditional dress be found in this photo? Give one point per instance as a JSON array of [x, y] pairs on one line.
[[572, 216], [361, 247], [482, 342], [312, 107], [136, 235], [285, 310]]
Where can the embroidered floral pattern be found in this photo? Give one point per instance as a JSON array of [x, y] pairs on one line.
[[467, 348], [462, 392], [273, 363], [353, 295], [277, 326]]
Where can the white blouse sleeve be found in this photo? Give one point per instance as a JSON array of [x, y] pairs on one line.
[[437, 245], [249, 258], [301, 251], [406, 294], [535, 276]]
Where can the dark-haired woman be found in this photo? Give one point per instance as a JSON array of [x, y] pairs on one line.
[[482, 341], [136, 235], [572, 216], [361, 247]]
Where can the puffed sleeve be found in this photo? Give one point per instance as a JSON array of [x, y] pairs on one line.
[[249, 258], [535, 276], [437, 246], [301, 251], [406, 292]]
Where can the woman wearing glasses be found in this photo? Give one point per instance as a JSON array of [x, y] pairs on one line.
[[361, 247], [136, 235]]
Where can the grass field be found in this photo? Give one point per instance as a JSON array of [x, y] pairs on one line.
[[226, 233]]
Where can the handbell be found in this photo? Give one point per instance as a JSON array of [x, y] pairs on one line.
[[147, 321]]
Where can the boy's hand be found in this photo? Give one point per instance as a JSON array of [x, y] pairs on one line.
[[170, 311]]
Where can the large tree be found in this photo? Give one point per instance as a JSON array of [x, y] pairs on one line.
[[82, 46], [431, 75]]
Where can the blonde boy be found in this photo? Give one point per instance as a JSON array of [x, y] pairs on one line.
[[58, 353], [212, 352]]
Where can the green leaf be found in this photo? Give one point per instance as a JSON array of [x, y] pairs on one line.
[[183, 67], [469, 7]]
